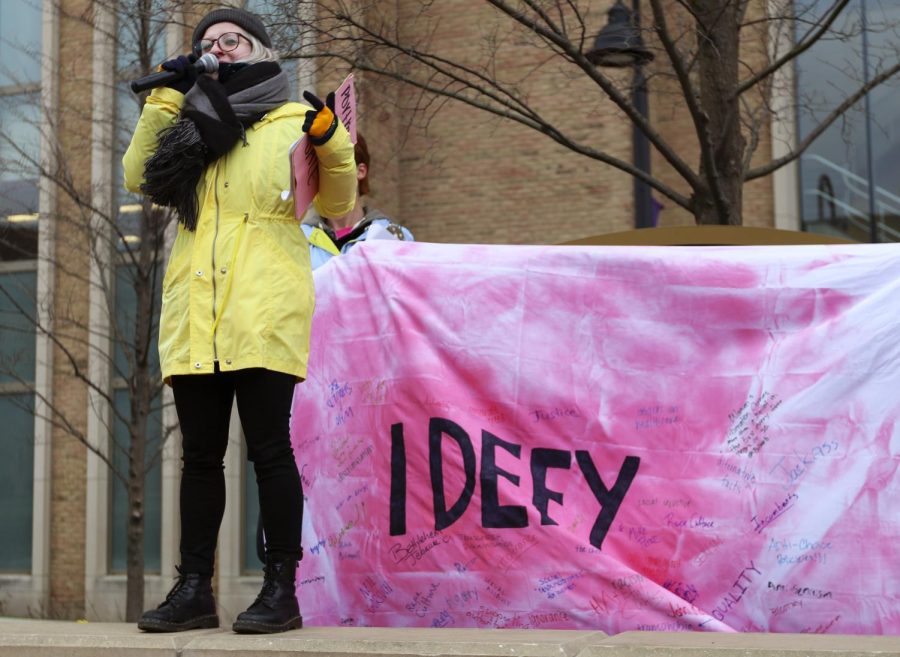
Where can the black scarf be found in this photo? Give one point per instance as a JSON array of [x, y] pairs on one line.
[[214, 117]]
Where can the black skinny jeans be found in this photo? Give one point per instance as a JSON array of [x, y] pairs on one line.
[[203, 403]]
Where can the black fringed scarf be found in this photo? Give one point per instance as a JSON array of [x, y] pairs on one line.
[[213, 119]]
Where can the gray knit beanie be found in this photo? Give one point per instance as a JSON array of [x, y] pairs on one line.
[[244, 19]]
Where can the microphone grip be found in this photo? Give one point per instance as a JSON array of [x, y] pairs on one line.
[[154, 80]]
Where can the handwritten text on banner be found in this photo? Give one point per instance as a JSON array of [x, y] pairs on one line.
[[647, 438]]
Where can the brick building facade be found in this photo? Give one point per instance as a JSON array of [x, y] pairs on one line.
[[457, 175]]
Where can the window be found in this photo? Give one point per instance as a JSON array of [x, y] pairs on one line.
[[859, 152], [281, 30], [135, 223], [126, 308], [17, 295], [20, 42], [20, 48]]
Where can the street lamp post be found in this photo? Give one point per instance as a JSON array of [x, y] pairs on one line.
[[619, 45]]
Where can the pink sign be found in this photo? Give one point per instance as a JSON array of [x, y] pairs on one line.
[[304, 163], [607, 438]]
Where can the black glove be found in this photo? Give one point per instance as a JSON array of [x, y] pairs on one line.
[[321, 121], [183, 64]]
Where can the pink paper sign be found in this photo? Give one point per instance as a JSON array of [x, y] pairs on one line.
[[305, 164], [607, 438]]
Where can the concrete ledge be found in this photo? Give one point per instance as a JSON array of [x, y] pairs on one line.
[[27, 638], [708, 644], [391, 642], [68, 639]]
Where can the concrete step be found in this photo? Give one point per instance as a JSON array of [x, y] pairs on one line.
[[33, 638]]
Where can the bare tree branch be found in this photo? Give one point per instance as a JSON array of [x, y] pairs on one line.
[[814, 134], [802, 46]]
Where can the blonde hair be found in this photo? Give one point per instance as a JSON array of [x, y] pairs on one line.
[[258, 52]]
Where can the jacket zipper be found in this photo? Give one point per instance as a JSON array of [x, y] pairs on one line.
[[213, 273]]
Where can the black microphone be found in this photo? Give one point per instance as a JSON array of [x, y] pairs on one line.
[[209, 63]]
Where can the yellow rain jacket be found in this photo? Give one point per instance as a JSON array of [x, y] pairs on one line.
[[239, 289]]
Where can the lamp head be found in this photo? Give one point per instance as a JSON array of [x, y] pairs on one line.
[[619, 43]]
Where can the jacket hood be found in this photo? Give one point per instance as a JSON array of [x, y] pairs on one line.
[[312, 218]]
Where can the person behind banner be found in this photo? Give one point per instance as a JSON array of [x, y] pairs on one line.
[[330, 234], [237, 296]]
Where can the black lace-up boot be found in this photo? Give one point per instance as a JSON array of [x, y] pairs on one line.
[[189, 605], [276, 608]]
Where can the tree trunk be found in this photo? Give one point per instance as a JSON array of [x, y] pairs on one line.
[[134, 595], [142, 389], [723, 147], [141, 395]]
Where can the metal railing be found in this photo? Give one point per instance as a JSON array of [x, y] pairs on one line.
[[856, 192]]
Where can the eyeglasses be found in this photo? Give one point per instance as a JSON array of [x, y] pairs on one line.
[[227, 42]]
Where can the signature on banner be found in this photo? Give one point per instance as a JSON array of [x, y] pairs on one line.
[[750, 424]]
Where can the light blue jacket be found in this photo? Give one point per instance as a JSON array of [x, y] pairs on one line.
[[323, 245]]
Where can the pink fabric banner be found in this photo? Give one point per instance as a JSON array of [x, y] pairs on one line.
[[612, 438]]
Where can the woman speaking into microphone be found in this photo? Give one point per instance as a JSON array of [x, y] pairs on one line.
[[237, 297]]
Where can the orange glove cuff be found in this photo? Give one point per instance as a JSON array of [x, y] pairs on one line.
[[322, 123]]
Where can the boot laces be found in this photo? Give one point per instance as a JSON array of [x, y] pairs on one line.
[[179, 589], [273, 575], [270, 583]]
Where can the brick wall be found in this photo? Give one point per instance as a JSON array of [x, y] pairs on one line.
[[468, 176], [457, 174], [70, 316]]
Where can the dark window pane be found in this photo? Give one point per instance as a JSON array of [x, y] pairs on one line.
[[124, 347], [126, 341], [18, 235], [835, 175], [17, 330], [19, 148], [126, 308], [833, 171], [152, 491], [20, 120], [884, 19], [134, 35], [16, 482]]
